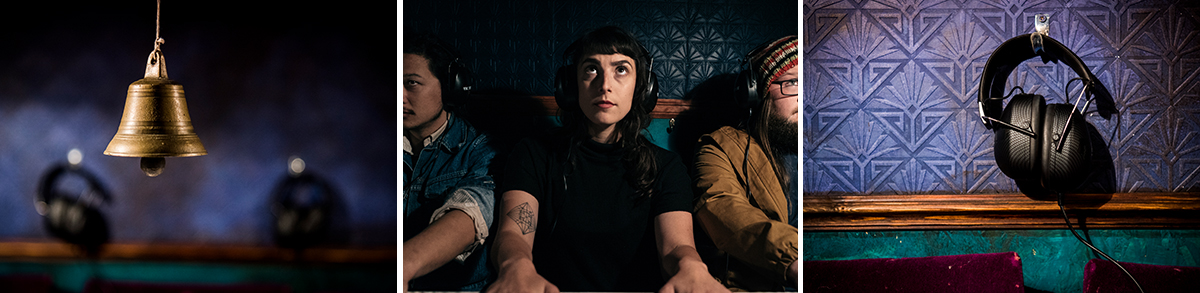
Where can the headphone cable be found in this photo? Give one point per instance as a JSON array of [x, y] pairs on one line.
[[1089, 244]]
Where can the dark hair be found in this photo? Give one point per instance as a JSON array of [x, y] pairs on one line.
[[439, 55], [759, 126], [760, 130], [640, 166]]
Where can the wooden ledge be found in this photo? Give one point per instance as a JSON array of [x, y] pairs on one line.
[[41, 251], [999, 211], [546, 106]]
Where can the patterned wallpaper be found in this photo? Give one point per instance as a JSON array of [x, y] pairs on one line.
[[516, 46], [890, 90]]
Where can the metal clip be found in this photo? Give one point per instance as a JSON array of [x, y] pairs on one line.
[[1041, 27]]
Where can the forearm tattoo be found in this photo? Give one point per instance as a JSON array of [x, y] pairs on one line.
[[523, 216]]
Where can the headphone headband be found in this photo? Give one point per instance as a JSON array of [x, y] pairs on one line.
[[45, 187], [1013, 52]]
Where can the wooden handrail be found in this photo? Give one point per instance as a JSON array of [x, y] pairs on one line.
[[999, 211], [546, 106]]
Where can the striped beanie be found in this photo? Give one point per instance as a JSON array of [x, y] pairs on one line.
[[772, 60]]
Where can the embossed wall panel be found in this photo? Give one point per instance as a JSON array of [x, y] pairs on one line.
[[516, 46], [890, 90]]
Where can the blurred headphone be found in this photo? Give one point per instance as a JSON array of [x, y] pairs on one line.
[[566, 89], [302, 206], [73, 219], [1039, 146]]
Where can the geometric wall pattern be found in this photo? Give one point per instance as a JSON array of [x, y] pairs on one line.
[[890, 90], [515, 47]]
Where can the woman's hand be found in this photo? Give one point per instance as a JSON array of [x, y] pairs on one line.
[[678, 255], [520, 277], [693, 279]]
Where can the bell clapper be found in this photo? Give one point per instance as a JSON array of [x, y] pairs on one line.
[[153, 166]]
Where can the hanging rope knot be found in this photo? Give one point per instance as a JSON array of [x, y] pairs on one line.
[[156, 66]]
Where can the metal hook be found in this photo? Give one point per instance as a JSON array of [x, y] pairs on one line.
[[1041, 27]]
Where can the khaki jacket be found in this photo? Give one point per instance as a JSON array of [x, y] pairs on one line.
[[752, 229]]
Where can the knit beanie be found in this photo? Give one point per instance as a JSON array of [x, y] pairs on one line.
[[773, 60]]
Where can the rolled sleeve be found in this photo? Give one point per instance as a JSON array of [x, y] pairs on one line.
[[465, 201]]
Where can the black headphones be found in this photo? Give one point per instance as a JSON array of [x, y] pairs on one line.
[[302, 223], [747, 88], [1039, 146], [566, 89], [73, 219], [456, 82], [747, 82]]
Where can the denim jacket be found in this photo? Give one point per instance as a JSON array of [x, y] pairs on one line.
[[451, 173]]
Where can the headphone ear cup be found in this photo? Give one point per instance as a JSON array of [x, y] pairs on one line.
[[74, 218], [1033, 189], [747, 89], [1063, 170], [285, 222], [75, 222], [1017, 154], [565, 91], [314, 221], [65, 217], [55, 211], [458, 86], [650, 98], [302, 210]]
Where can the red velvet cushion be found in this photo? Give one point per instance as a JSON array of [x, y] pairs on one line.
[[26, 283], [991, 272], [1101, 275]]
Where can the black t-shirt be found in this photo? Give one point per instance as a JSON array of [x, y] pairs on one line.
[[594, 233]]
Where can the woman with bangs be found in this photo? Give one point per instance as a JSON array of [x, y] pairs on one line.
[[597, 206]]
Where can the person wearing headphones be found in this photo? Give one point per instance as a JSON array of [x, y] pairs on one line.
[[448, 197], [598, 207], [747, 179]]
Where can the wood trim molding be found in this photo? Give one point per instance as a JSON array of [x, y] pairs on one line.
[[546, 106], [40, 251], [1000, 211]]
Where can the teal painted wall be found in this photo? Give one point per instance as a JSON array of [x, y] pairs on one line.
[[72, 276], [1051, 260], [658, 133]]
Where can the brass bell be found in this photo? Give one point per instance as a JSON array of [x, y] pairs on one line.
[[155, 124]]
